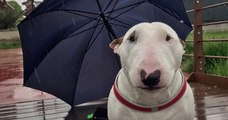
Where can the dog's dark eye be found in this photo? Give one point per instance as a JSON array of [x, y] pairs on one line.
[[168, 38], [132, 39]]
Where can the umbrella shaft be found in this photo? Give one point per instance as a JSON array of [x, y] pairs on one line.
[[107, 25]]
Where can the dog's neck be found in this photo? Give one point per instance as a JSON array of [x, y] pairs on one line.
[[147, 98]]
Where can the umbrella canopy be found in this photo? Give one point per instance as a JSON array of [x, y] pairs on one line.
[[65, 42]]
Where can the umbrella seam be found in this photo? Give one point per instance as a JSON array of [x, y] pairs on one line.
[[125, 7], [79, 29], [119, 21], [81, 68], [93, 34], [132, 7], [30, 16]]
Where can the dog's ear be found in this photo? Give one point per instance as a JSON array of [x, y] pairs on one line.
[[115, 44], [183, 43]]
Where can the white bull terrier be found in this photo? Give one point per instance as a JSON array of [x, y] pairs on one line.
[[150, 85]]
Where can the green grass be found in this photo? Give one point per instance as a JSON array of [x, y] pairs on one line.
[[9, 44], [212, 65], [211, 35]]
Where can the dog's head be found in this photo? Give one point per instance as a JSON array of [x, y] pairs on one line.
[[150, 54]]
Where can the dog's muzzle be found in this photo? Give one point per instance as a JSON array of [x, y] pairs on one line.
[[152, 79]]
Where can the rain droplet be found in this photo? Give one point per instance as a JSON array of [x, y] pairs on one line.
[[63, 3], [74, 22], [182, 21], [30, 33], [37, 76]]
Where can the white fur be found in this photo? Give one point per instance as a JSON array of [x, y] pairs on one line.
[[150, 52]]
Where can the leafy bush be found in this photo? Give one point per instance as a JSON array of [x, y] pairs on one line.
[[9, 17]]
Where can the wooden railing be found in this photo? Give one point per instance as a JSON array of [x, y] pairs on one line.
[[198, 71]]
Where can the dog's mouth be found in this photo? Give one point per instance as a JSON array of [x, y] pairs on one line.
[[151, 88]]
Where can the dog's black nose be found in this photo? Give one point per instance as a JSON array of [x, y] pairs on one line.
[[152, 79]]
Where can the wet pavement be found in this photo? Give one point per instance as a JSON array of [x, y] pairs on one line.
[[11, 79]]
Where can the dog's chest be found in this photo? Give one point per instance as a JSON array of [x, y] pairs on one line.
[[181, 110]]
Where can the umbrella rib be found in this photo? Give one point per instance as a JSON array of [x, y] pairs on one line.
[[81, 27], [110, 18], [85, 53], [114, 6], [81, 68], [135, 4], [126, 11], [65, 10], [90, 44], [108, 5], [93, 33], [79, 14], [82, 31], [176, 16], [119, 25], [174, 13], [105, 21], [112, 9], [117, 59], [80, 11]]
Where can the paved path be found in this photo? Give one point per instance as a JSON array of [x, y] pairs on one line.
[[11, 79]]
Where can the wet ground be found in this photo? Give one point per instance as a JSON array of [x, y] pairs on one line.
[[11, 79]]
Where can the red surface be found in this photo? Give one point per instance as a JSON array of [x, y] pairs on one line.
[[11, 79]]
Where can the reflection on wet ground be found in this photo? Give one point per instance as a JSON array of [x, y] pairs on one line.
[[51, 109], [211, 104], [10, 64], [11, 79]]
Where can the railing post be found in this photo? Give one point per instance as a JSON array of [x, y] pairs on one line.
[[198, 37]]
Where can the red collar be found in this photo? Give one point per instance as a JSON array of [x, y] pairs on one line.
[[151, 108]]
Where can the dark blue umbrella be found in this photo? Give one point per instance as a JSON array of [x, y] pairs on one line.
[[65, 42]]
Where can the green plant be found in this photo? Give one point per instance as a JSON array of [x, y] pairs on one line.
[[189, 48], [212, 65], [10, 43], [211, 35], [9, 17], [215, 35], [187, 64], [218, 67]]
